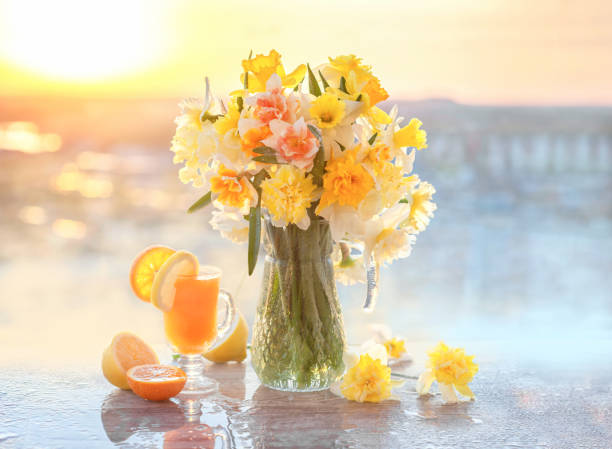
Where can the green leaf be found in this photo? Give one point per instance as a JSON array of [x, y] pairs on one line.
[[343, 85], [324, 81], [404, 200], [199, 204], [240, 102], [246, 74], [315, 131], [313, 85], [318, 167], [258, 179], [358, 98], [298, 85], [372, 139], [267, 159], [254, 236], [210, 117], [264, 150], [342, 147]]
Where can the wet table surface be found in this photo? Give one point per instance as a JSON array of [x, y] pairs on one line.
[[560, 399]]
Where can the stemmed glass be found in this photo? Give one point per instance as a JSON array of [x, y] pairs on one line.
[[192, 325]]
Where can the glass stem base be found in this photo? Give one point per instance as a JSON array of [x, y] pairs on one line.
[[197, 383]]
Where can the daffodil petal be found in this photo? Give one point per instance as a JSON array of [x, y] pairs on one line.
[[424, 382], [465, 391], [380, 116], [448, 393]]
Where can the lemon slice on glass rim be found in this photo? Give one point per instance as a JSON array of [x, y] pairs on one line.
[[181, 263]]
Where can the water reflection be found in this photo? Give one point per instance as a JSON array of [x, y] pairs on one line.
[[174, 424], [431, 407], [124, 414], [25, 138]]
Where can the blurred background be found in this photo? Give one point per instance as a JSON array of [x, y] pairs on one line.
[[515, 97]]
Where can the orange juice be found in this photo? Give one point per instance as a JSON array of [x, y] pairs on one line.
[[191, 324]]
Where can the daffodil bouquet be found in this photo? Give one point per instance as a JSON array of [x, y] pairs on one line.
[[330, 174]]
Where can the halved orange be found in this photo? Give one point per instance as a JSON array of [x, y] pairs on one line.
[[145, 267], [125, 351], [156, 382]]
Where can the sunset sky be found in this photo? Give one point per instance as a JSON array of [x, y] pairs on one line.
[[483, 52]]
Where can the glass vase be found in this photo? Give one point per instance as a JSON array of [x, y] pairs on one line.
[[298, 334]]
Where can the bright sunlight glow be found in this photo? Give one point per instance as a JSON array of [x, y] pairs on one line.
[[78, 40]]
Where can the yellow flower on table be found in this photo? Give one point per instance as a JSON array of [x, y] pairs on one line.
[[231, 189], [411, 135], [328, 110], [261, 67], [452, 368], [368, 381], [395, 347], [346, 181], [287, 195]]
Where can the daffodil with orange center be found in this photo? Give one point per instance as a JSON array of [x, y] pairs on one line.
[[452, 368], [346, 181], [231, 189], [261, 67], [253, 137]]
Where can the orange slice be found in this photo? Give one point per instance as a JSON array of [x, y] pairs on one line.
[[145, 267], [156, 382], [125, 351]]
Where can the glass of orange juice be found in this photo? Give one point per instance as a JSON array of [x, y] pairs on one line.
[[192, 325]]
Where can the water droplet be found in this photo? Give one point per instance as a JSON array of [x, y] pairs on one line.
[[6, 436]]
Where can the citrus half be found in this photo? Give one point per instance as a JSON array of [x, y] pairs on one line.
[[156, 382], [233, 348], [125, 351]]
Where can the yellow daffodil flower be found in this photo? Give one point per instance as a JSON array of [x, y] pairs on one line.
[[261, 67], [368, 381], [395, 347], [411, 136], [374, 91], [346, 64], [328, 110], [452, 368], [287, 195], [229, 121], [421, 207], [345, 182]]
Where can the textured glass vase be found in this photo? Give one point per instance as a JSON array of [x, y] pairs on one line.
[[298, 335]]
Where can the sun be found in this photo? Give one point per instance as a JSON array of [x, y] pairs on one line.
[[80, 40]]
